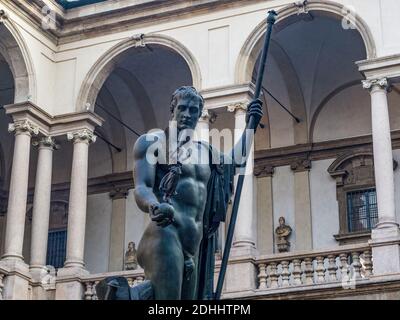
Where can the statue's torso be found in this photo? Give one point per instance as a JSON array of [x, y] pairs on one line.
[[189, 201]]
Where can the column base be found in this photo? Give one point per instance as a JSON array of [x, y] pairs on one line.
[[385, 244], [240, 276], [242, 250], [69, 284], [17, 282]]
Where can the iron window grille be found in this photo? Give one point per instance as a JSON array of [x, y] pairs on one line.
[[362, 210], [57, 248]]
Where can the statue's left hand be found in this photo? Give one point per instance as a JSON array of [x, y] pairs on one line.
[[254, 109]]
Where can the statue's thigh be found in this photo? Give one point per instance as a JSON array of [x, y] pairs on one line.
[[164, 264]]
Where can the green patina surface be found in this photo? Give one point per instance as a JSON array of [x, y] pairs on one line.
[[69, 4]]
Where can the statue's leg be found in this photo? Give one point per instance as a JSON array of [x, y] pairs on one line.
[[160, 254], [189, 285]]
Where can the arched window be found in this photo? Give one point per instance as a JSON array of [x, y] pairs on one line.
[[356, 196]]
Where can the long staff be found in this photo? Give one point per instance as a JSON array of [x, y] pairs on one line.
[[252, 126]]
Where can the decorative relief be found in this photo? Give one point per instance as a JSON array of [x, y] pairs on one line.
[[301, 7], [264, 171], [3, 16], [84, 135], [382, 83], [301, 165], [139, 40], [23, 126], [119, 193]]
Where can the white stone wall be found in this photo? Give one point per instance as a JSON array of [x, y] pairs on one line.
[[324, 206], [97, 237]]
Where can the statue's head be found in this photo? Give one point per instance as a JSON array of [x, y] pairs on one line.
[[186, 107], [131, 245], [282, 221]]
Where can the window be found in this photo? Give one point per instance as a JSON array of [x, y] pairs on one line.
[[57, 238], [362, 210], [356, 196], [56, 248]]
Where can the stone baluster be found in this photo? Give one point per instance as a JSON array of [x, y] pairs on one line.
[[273, 275], [89, 290], [320, 269], [344, 269], [296, 272], [139, 279], [309, 271], [262, 276], [1, 286], [368, 263], [131, 281], [356, 265], [285, 273], [332, 268], [94, 297]]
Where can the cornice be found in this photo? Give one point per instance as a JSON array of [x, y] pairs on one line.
[[73, 26], [288, 156]]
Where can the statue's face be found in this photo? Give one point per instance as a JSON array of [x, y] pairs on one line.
[[281, 221], [187, 113]]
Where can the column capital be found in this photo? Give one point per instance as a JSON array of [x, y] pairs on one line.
[[84, 135], [46, 142], [23, 127], [208, 116], [301, 165], [380, 83], [237, 107]]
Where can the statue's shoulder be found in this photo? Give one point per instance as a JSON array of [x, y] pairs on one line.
[[147, 140]]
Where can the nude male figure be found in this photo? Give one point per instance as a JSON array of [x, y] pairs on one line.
[[169, 248]]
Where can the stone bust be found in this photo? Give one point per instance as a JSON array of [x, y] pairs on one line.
[[130, 257], [283, 232]]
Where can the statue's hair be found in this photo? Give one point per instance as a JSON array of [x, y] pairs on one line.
[[186, 92]]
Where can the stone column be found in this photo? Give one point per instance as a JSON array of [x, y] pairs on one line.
[[69, 286], [117, 237], [78, 198], [386, 236], [41, 206], [16, 285], [265, 213], [302, 202], [16, 211], [242, 275], [244, 231]]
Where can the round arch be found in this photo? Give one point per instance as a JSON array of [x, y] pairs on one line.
[[16, 53], [248, 54], [105, 65]]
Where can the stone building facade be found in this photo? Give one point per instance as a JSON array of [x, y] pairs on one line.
[[79, 83]]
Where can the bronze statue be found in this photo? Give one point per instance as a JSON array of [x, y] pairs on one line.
[[131, 257], [283, 232], [186, 201]]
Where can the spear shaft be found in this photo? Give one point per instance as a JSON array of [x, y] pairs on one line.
[[252, 126]]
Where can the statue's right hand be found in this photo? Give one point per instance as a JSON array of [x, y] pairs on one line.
[[162, 214]]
